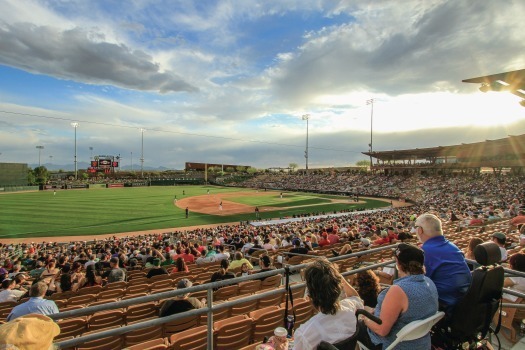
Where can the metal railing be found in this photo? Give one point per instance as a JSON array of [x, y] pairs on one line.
[[208, 309]]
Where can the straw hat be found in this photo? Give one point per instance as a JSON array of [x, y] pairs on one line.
[[31, 332]]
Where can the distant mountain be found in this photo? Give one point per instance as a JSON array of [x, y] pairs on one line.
[[85, 165]]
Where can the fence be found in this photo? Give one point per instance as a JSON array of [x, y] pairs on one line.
[[209, 308]]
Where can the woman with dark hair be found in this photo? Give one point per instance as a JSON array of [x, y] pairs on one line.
[[180, 266], [453, 217], [77, 276], [122, 260], [65, 284], [63, 262], [93, 277], [223, 273], [472, 244], [413, 296], [368, 287], [469, 253], [336, 319]]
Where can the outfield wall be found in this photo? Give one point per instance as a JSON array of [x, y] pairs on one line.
[[18, 188], [13, 174]]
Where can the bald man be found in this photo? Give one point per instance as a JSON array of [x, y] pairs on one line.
[[444, 263]]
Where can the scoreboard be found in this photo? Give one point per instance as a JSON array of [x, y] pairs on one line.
[[106, 164]]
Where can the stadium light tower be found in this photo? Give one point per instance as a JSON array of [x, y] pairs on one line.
[[307, 118], [75, 125], [371, 103], [91, 153], [142, 154], [40, 148]]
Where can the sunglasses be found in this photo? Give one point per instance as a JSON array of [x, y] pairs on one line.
[[397, 251]]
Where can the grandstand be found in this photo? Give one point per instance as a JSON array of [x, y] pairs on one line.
[[240, 312], [508, 153]]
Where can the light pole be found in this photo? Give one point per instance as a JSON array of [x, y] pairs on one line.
[[75, 125], [371, 103], [131, 161], [142, 154], [40, 148], [91, 153], [307, 118]]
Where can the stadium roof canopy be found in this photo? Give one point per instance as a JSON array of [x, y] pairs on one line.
[[512, 145], [513, 82]]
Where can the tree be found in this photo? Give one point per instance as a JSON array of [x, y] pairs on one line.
[[230, 169], [292, 166], [41, 175], [251, 170], [31, 177], [363, 163], [240, 169]]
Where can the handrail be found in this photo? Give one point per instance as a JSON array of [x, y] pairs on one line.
[[209, 308], [158, 296], [517, 306], [514, 292]]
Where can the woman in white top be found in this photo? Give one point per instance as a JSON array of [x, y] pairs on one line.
[[336, 319], [516, 262]]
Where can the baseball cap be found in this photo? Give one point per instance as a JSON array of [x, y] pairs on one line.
[[184, 283], [499, 235]]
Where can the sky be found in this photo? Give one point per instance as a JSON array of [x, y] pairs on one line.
[[230, 81]]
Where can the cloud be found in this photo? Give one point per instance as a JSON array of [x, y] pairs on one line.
[[397, 50], [257, 67], [84, 56]]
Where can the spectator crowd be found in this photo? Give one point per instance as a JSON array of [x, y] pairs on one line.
[[466, 201]]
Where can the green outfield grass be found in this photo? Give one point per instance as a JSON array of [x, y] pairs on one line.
[[92, 212], [290, 199]]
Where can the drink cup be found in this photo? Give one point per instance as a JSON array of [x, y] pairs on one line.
[[280, 334]]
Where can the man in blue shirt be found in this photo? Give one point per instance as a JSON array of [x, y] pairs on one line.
[[36, 303], [444, 263]]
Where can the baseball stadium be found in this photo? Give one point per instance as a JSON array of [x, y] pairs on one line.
[[404, 228], [164, 224]]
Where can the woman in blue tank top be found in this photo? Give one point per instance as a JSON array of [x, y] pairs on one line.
[[412, 297]]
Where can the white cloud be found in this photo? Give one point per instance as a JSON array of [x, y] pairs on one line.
[[410, 56]]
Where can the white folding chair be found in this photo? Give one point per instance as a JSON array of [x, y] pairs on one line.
[[413, 330]]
